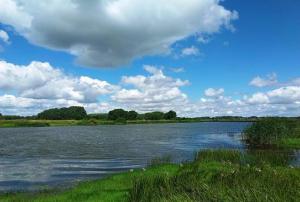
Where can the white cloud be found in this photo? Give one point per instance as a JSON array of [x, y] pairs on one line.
[[282, 95], [154, 92], [4, 36], [271, 80], [211, 92], [177, 70], [29, 89], [40, 80], [289, 94], [258, 98], [113, 32], [190, 51], [203, 39]]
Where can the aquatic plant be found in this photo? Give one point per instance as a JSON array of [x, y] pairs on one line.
[[270, 131]]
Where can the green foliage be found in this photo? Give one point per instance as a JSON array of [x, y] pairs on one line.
[[117, 114], [154, 116], [269, 131], [170, 115], [99, 116], [74, 112], [11, 117], [132, 115]]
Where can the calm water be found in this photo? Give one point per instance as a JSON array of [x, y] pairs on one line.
[[32, 158]]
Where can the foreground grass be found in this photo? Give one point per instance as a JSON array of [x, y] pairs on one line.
[[221, 175], [292, 143]]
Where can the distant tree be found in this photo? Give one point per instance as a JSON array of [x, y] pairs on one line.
[[73, 112], [141, 116], [170, 115], [12, 117], [154, 116], [132, 115], [102, 116], [117, 114]]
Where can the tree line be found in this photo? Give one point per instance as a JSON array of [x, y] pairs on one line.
[[79, 113], [121, 114], [74, 112]]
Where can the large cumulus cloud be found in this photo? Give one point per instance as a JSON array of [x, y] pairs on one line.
[[107, 33], [39, 80]]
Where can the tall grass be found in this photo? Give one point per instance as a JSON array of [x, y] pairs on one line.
[[222, 176], [270, 131]]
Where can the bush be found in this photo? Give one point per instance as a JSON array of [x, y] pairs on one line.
[[269, 131]]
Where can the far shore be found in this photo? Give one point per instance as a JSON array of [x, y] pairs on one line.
[[95, 122]]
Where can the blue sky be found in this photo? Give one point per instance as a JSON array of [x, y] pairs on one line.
[[244, 61]]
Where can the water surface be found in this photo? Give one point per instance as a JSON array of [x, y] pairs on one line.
[[32, 158]]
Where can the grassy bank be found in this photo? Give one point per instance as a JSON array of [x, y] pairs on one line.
[[222, 175], [92, 122]]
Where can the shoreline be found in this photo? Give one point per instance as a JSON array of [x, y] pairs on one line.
[[56, 123]]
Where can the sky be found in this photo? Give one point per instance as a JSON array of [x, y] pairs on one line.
[[197, 57]]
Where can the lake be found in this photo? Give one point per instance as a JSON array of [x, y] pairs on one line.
[[35, 158]]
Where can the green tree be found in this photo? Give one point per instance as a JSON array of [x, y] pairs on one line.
[[154, 116], [73, 112], [132, 115], [170, 115], [117, 114]]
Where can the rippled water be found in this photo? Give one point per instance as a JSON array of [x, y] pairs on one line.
[[32, 158]]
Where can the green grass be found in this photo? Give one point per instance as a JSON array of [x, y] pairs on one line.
[[223, 176], [94, 122], [274, 132], [292, 143], [22, 123], [214, 175]]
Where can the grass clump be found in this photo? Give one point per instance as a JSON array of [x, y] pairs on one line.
[[270, 131]]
